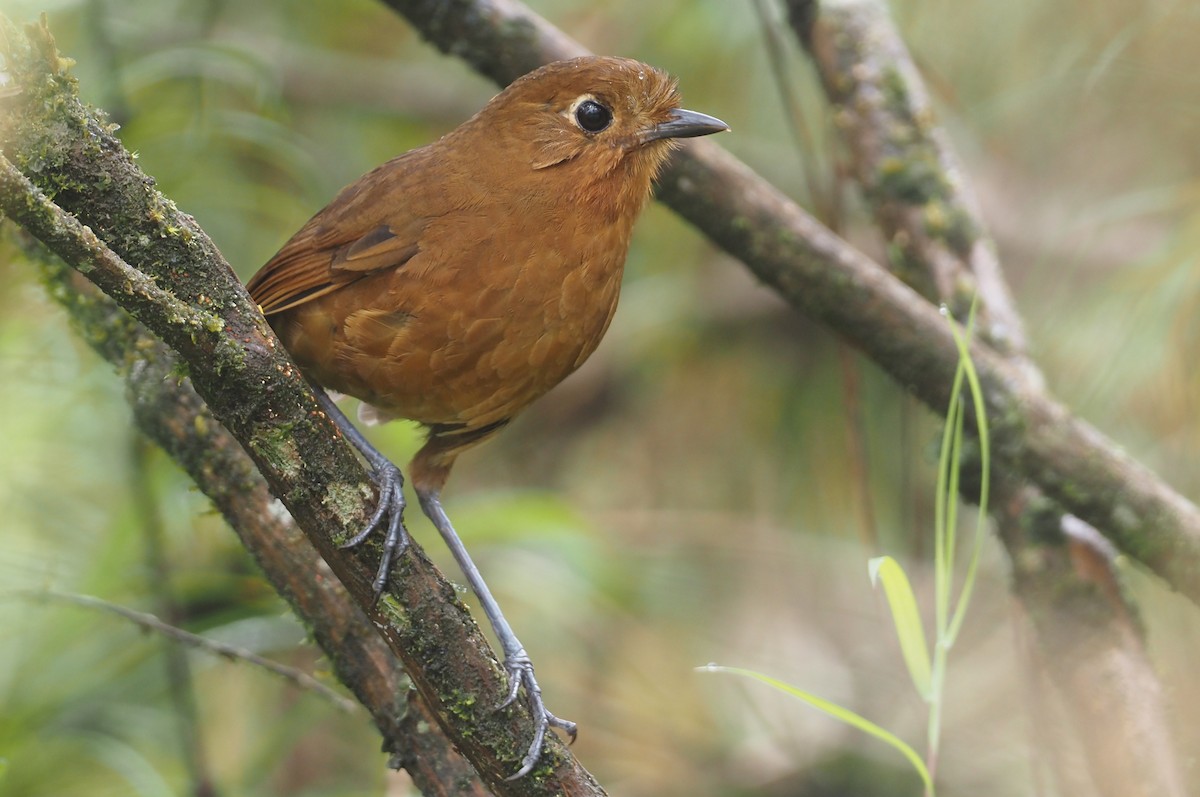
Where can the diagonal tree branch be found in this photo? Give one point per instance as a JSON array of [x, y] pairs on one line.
[[910, 175], [814, 269], [820, 274], [169, 411], [187, 295], [921, 200]]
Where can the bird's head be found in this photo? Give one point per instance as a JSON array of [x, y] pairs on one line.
[[593, 119]]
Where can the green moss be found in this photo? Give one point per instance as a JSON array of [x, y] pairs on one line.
[[517, 29], [895, 91], [913, 180], [546, 765], [347, 501], [1040, 522], [461, 704], [229, 356], [898, 257], [395, 612], [277, 445], [950, 223], [909, 267]]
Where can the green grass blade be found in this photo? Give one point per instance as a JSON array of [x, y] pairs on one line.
[[906, 618], [837, 712], [981, 425], [944, 502]]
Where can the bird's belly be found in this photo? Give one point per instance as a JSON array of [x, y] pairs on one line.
[[472, 359]]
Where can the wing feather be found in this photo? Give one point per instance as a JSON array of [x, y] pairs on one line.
[[373, 224]]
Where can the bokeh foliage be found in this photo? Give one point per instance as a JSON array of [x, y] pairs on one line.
[[690, 494]]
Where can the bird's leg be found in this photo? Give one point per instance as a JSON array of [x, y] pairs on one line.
[[516, 660], [390, 483]]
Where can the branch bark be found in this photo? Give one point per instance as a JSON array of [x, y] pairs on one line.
[[1089, 643], [1035, 437], [185, 293], [253, 389], [909, 173], [168, 411]]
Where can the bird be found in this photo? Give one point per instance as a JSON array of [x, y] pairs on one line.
[[460, 281]]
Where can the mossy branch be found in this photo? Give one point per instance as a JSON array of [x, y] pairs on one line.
[[101, 214], [816, 271], [168, 411], [922, 202]]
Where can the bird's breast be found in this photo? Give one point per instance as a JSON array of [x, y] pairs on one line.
[[474, 328]]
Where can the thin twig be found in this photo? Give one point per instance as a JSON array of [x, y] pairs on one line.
[[824, 196], [151, 623]]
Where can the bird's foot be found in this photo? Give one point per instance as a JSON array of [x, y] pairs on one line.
[[520, 673], [389, 510]]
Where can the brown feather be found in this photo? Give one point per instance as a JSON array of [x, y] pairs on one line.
[[364, 229], [457, 283]]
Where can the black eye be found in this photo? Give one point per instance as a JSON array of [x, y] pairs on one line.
[[592, 116]]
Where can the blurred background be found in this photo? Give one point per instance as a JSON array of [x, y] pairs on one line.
[[694, 494]]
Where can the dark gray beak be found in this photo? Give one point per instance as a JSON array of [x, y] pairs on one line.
[[685, 124]]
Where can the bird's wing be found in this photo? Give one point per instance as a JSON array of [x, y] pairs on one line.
[[372, 224]]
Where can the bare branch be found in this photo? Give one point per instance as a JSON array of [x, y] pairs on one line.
[[151, 623]]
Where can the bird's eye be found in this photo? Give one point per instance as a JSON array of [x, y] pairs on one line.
[[592, 117]]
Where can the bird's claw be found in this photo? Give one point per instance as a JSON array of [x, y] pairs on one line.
[[390, 482], [520, 673]]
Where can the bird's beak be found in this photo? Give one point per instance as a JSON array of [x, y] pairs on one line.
[[684, 124]]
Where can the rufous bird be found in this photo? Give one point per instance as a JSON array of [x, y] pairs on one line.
[[458, 282]]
